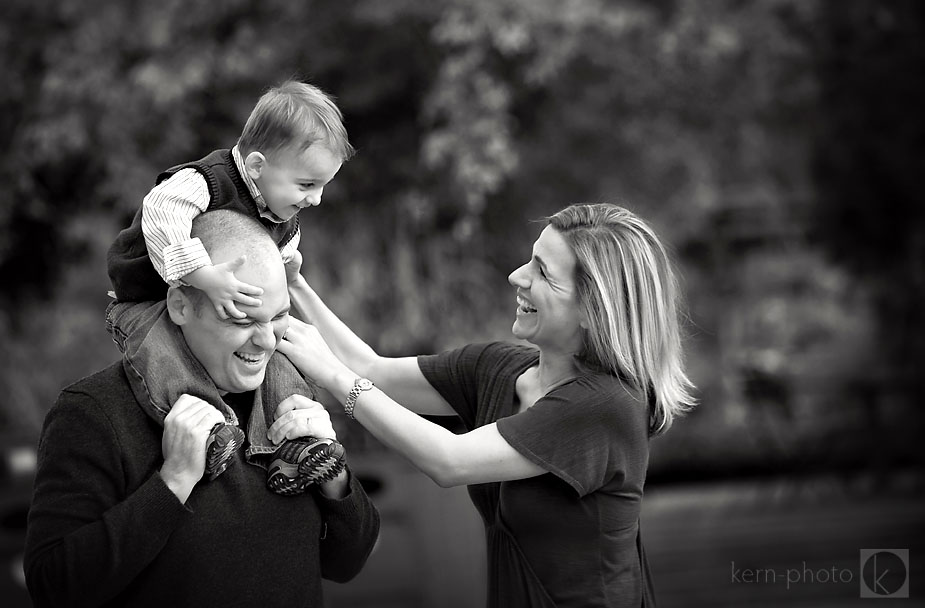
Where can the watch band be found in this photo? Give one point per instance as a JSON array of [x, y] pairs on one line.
[[359, 385]]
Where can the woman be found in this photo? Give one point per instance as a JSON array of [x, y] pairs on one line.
[[557, 447]]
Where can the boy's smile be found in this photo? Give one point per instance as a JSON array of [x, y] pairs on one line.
[[290, 181]]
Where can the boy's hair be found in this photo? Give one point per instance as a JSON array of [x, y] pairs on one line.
[[294, 115]]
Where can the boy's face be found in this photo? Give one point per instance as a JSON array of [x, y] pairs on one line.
[[290, 181]]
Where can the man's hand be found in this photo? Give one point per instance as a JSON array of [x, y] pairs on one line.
[[224, 289], [299, 416], [186, 429]]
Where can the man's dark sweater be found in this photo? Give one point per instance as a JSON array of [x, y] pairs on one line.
[[104, 529]]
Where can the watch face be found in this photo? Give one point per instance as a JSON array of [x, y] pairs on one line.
[[364, 384]]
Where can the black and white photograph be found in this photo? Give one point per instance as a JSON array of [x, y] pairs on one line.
[[462, 303]]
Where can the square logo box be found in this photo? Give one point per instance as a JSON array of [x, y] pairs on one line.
[[884, 573]]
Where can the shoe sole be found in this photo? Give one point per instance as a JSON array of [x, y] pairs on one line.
[[224, 440], [299, 464]]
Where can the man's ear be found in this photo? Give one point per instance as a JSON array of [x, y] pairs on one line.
[[254, 164], [179, 306]]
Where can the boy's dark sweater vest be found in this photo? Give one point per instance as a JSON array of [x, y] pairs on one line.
[[130, 270]]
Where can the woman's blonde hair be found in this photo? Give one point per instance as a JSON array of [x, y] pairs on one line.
[[630, 297]]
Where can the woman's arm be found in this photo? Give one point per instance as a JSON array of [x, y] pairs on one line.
[[399, 377], [346, 345], [479, 456]]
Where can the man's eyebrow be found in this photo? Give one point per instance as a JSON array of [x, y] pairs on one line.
[[248, 317]]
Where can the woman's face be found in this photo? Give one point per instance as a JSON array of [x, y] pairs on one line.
[[548, 314]]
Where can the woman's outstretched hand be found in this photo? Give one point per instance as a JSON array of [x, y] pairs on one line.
[[308, 351]]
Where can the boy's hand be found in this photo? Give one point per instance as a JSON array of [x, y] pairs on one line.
[[293, 267], [224, 289]]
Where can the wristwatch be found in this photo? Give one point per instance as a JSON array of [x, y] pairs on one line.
[[359, 385]]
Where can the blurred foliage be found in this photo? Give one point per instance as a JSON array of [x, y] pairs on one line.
[[774, 144]]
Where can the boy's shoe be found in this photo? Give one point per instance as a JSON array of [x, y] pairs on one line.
[[224, 440], [299, 463]]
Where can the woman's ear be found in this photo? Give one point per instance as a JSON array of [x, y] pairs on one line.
[[583, 319], [254, 164], [179, 306]]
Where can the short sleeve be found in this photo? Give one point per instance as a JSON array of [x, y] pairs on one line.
[[454, 375], [590, 433]]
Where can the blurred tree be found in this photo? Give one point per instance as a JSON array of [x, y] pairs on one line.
[[471, 118], [870, 154]]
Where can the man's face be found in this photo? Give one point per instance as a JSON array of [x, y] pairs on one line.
[[235, 352], [290, 181]]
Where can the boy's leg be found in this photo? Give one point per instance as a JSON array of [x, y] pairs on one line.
[[135, 319], [293, 465], [160, 368]]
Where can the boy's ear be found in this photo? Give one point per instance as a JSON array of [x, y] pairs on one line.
[[254, 164], [179, 306]]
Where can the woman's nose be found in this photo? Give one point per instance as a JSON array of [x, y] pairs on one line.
[[518, 278]]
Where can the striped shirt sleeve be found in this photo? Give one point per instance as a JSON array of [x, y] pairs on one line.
[[166, 221]]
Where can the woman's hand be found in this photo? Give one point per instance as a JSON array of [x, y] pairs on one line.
[[308, 351]]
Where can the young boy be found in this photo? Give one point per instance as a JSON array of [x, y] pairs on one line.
[[293, 144]]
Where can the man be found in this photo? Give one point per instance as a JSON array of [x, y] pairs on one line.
[[121, 514]]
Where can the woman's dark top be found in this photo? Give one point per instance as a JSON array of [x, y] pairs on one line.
[[569, 537]]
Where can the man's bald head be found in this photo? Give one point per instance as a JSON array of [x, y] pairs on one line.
[[234, 351], [227, 235]]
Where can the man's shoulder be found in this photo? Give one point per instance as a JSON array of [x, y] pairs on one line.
[[105, 386], [106, 397], [99, 414]]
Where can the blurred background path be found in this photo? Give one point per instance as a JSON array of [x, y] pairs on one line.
[[700, 538]]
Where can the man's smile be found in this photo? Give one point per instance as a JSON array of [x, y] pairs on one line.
[[251, 358]]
